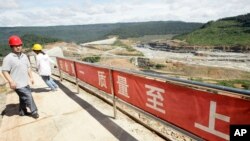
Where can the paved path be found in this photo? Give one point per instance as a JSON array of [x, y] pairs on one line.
[[67, 116]]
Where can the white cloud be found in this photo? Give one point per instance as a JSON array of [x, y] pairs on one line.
[[62, 12], [8, 4]]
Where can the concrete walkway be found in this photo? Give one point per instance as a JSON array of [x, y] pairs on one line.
[[67, 116]]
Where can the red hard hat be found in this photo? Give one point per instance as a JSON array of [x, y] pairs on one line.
[[15, 40]]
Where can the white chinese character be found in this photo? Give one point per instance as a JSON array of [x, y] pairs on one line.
[[155, 98], [81, 72], [211, 125], [123, 87], [102, 79]]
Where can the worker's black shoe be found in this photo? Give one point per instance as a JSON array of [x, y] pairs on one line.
[[36, 115]]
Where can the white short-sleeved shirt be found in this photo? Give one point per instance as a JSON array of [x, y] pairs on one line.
[[18, 67], [43, 64]]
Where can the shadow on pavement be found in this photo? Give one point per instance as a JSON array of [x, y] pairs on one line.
[[40, 90], [104, 120], [10, 110]]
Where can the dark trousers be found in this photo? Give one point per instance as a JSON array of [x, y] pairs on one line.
[[26, 100]]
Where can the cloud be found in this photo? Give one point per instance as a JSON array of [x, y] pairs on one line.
[[8, 4], [63, 12]]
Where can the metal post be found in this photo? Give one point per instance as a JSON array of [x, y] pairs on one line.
[[60, 73], [112, 91], [29, 58], [59, 69], [77, 81], [77, 86]]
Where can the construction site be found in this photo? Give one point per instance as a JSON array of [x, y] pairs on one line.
[[86, 108], [206, 65]]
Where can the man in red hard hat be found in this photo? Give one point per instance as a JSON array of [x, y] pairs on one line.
[[17, 71]]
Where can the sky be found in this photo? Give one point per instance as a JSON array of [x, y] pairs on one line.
[[81, 12]]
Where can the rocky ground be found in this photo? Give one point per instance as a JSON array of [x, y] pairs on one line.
[[211, 59], [206, 66]]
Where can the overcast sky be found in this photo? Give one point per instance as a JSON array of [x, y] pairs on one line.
[[79, 12]]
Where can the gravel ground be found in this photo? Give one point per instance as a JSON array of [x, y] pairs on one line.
[[190, 58]]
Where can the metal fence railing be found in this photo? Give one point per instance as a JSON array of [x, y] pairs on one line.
[[186, 105]]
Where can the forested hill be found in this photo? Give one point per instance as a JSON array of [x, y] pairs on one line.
[[126, 30], [231, 31], [86, 33]]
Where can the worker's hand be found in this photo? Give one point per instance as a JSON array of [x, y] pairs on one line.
[[12, 85], [32, 81]]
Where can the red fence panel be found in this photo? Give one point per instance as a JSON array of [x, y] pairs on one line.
[[66, 66], [95, 76], [202, 113]]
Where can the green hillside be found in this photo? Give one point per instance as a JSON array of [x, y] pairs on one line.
[[130, 30], [232, 31], [86, 33], [76, 33]]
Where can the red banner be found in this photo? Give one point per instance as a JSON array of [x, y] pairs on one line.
[[66, 66], [97, 77], [202, 113]]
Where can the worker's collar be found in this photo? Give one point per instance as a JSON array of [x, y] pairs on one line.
[[17, 54]]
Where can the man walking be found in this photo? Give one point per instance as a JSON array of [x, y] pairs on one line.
[[17, 71]]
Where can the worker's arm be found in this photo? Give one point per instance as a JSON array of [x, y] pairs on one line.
[[31, 76], [9, 79], [30, 71]]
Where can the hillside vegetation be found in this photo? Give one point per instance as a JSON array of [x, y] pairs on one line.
[[131, 30], [87, 33], [232, 31]]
